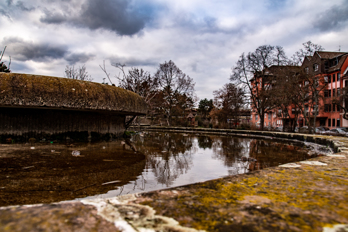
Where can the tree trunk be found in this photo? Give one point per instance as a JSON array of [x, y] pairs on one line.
[[262, 121]]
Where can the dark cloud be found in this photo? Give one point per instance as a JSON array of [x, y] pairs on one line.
[[133, 62], [53, 17], [4, 13], [78, 58], [21, 6], [120, 16], [332, 19], [42, 52], [22, 50]]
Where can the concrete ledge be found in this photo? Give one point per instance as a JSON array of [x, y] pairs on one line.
[[304, 196], [325, 140]]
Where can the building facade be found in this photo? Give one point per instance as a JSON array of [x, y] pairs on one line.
[[332, 68]]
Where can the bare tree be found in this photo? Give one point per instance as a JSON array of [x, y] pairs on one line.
[[177, 89], [106, 73], [3, 67], [140, 82], [251, 72], [229, 101], [308, 50], [286, 93], [77, 74]]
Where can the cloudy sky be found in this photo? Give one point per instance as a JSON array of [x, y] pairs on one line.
[[204, 38]]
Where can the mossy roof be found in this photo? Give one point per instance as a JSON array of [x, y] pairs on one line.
[[32, 91]]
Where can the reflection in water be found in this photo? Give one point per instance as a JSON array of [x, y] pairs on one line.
[[167, 155], [174, 159], [146, 162]]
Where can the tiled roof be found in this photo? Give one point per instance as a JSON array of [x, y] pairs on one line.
[[329, 55], [278, 68]]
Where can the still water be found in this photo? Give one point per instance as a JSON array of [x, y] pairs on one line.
[[44, 172]]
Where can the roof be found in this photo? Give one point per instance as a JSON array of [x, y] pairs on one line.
[[279, 68], [340, 63], [309, 57], [329, 55], [33, 91]]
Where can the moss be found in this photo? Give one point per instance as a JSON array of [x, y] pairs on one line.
[[33, 91], [304, 199]]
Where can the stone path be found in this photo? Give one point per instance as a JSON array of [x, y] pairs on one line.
[[303, 196]]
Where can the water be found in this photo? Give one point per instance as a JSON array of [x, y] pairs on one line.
[[43, 173]]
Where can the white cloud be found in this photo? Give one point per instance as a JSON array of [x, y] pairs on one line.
[[204, 38]]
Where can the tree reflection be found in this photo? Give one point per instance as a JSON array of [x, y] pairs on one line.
[[168, 155], [205, 142], [229, 149], [243, 155]]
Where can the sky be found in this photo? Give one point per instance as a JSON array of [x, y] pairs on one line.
[[204, 38]]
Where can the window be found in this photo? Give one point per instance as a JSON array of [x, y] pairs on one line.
[[315, 67], [333, 107], [345, 83], [316, 83], [307, 70], [326, 108], [338, 92], [256, 117], [326, 79], [338, 76], [333, 122], [326, 93], [329, 78], [269, 116], [338, 122], [333, 77], [329, 122], [329, 92], [334, 62], [306, 83], [333, 92]]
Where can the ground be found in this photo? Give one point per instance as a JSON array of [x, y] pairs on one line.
[[305, 196]]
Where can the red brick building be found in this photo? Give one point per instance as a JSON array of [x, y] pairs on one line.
[[329, 66]]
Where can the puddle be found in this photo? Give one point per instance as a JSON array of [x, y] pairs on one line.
[[150, 161]]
